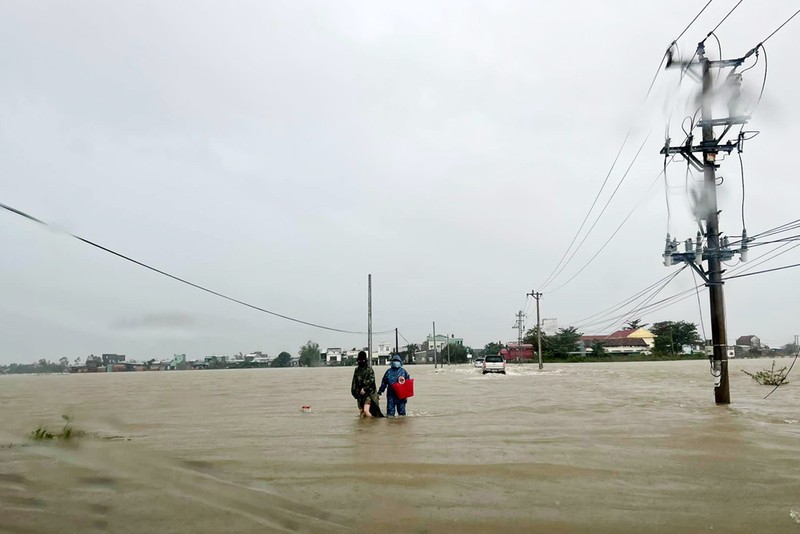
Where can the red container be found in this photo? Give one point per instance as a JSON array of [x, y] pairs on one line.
[[403, 388]]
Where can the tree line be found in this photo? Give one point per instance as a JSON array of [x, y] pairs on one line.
[[670, 338]]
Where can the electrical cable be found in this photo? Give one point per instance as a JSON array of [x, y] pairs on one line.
[[762, 272], [764, 82], [588, 213], [597, 219], [781, 26], [719, 46], [699, 305], [183, 281], [789, 239], [653, 306], [616, 231], [599, 315], [741, 169], [774, 253], [666, 193], [604, 245], [723, 20], [625, 140], [694, 19], [673, 299], [638, 310], [784, 376], [791, 225]]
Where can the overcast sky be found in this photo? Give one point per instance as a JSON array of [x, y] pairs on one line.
[[278, 152]]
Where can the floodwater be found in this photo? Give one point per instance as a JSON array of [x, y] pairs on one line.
[[609, 448]]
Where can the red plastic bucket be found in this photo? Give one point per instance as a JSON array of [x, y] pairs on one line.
[[403, 388]]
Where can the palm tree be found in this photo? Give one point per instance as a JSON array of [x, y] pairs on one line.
[[411, 350]]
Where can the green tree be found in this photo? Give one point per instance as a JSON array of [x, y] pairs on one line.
[[532, 339], [634, 325], [490, 349], [408, 354], [458, 353], [598, 348], [284, 359], [310, 355], [672, 336], [563, 342]]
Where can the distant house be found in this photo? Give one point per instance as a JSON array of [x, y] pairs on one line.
[[748, 343], [334, 356], [442, 341], [179, 363], [352, 353], [631, 341], [110, 359], [381, 353], [517, 352]]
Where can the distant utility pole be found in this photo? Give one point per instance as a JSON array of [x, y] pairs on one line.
[[396, 341], [520, 326], [716, 248], [369, 319], [434, 345], [537, 296]]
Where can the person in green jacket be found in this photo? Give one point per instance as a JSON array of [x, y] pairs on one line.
[[363, 388]]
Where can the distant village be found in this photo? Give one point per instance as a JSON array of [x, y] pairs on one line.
[[332, 356], [442, 349]]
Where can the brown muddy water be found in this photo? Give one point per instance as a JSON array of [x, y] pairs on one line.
[[618, 447]]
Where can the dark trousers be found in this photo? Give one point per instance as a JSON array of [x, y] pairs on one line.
[[393, 402]]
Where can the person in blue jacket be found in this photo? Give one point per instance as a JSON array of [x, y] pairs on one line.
[[391, 376]]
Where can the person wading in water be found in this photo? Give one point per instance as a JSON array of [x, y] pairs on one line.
[[363, 388], [393, 374]]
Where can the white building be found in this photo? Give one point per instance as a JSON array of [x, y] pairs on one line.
[[334, 355]]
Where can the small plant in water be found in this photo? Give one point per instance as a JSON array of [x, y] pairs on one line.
[[41, 433], [769, 377]]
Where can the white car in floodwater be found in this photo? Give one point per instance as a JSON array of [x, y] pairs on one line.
[[477, 362], [494, 364]]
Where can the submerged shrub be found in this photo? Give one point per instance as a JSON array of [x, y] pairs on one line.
[[769, 377]]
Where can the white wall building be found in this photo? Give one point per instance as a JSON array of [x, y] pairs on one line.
[[334, 355]]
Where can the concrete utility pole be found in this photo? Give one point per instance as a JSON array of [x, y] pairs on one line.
[[369, 320], [520, 326], [717, 248], [719, 336], [537, 296], [434, 345]]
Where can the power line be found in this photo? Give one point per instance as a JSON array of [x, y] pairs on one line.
[[588, 213], [637, 310], [616, 231], [181, 280], [597, 219], [752, 265], [699, 306], [781, 26], [693, 20], [668, 301], [764, 271], [723, 20], [616, 158], [784, 376], [619, 305]]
